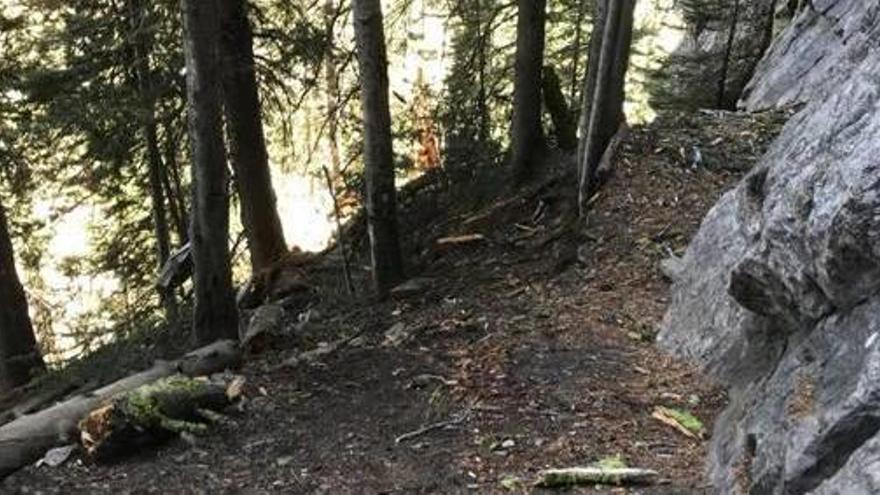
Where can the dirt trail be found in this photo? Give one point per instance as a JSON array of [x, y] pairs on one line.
[[532, 346]]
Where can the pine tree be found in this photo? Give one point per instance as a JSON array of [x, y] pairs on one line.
[[381, 195], [247, 144], [604, 89], [215, 311], [527, 140], [20, 357]]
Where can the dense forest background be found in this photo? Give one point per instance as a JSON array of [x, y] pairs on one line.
[[93, 132], [438, 245]]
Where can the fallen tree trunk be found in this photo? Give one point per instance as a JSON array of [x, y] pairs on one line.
[[27, 438], [557, 478], [151, 414], [36, 401]]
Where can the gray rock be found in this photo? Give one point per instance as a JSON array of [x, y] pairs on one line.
[[860, 475], [815, 54], [692, 81], [779, 292], [266, 324]]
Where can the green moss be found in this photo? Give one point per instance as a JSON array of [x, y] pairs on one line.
[[612, 462], [684, 418], [143, 407]]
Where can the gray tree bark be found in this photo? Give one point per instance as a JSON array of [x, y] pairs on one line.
[[606, 105], [20, 357], [527, 141], [381, 195], [214, 314], [247, 143], [595, 51], [564, 125], [721, 99]]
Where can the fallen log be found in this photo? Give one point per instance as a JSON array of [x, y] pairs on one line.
[[26, 439], [558, 478], [151, 414]]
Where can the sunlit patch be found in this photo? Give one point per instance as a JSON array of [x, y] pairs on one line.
[[663, 30], [305, 207]]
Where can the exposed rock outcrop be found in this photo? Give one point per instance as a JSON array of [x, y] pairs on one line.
[[779, 293], [816, 54], [722, 43]]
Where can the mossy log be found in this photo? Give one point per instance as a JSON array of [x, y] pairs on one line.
[[151, 414], [27, 438], [557, 478]]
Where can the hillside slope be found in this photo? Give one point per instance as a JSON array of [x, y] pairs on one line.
[[531, 348]]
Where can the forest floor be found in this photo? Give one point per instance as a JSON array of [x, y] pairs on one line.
[[528, 348]]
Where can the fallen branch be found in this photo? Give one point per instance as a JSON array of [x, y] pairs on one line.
[[431, 427], [309, 357], [26, 439], [669, 417], [557, 478], [460, 239]]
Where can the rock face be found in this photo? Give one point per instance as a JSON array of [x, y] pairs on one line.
[[817, 53], [721, 40], [779, 293]]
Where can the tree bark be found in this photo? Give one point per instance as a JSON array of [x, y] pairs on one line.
[[27, 438], [606, 107], [174, 187], [247, 144], [527, 142], [331, 80], [20, 357], [564, 125], [381, 195], [142, 48], [482, 94], [720, 97], [595, 51], [214, 314], [573, 95]]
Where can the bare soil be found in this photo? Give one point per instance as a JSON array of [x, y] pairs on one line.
[[527, 350]]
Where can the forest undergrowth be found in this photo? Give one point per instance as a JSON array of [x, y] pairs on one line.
[[522, 342]]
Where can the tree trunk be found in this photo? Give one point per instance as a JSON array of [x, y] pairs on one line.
[[142, 48], [573, 95], [720, 97], [606, 107], [27, 438], [595, 51], [564, 125], [331, 79], [247, 144], [482, 94], [381, 195], [527, 142], [174, 187], [20, 357], [214, 314]]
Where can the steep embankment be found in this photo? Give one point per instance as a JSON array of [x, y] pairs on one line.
[[778, 292]]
